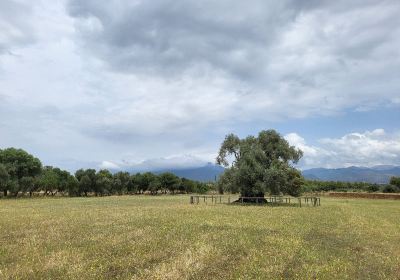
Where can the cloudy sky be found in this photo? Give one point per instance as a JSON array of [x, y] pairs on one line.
[[100, 83]]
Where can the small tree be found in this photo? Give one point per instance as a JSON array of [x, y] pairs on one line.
[[121, 182], [145, 180], [169, 181], [104, 181], [72, 186], [86, 181], [85, 185], [154, 186], [48, 180]]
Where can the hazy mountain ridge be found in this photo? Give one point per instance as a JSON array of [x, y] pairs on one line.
[[206, 173], [380, 174]]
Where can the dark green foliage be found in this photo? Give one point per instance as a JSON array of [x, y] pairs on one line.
[[146, 180], [121, 182], [169, 181], [49, 180], [227, 183], [18, 164], [294, 183], [4, 179], [72, 186], [187, 186], [325, 186], [86, 181], [391, 189], [104, 182], [85, 185], [373, 188], [395, 181], [256, 165], [155, 185], [28, 184]]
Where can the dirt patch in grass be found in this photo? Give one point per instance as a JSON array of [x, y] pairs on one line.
[[365, 195]]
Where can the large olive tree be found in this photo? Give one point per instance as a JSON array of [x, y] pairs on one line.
[[256, 165]]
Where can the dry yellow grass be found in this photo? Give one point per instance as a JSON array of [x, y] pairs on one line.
[[143, 237]]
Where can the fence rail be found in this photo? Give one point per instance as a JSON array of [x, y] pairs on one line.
[[273, 200]]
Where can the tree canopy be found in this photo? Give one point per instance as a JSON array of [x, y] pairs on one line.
[[18, 164], [256, 165]]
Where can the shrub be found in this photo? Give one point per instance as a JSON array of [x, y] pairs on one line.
[[373, 188], [390, 189]]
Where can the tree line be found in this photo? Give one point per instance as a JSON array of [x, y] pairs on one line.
[[325, 186], [21, 173]]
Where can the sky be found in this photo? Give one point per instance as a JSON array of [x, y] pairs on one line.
[[158, 84]]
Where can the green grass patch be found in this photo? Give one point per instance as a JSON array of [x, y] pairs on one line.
[[143, 237]]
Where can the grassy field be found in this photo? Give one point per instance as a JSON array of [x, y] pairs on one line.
[[143, 237]]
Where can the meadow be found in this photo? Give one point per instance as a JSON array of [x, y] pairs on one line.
[[164, 237]]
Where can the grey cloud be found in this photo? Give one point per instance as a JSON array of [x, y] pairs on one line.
[[170, 36], [15, 25], [332, 50]]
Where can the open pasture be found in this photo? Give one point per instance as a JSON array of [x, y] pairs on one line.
[[164, 237]]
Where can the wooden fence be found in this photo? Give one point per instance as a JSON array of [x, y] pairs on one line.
[[213, 199], [273, 200]]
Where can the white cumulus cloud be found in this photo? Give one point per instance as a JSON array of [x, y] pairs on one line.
[[368, 149]]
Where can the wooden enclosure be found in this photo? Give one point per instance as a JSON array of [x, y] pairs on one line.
[[271, 200]]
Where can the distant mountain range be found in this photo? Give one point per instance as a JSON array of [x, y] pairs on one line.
[[380, 174], [206, 173]]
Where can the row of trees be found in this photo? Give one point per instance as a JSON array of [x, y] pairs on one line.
[[22, 173], [324, 186]]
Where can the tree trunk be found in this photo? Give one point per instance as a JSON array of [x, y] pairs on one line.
[[252, 198], [5, 192]]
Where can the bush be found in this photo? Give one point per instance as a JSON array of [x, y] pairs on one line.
[[373, 188], [391, 189]]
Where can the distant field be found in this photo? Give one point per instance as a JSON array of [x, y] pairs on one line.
[[143, 237], [364, 195]]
